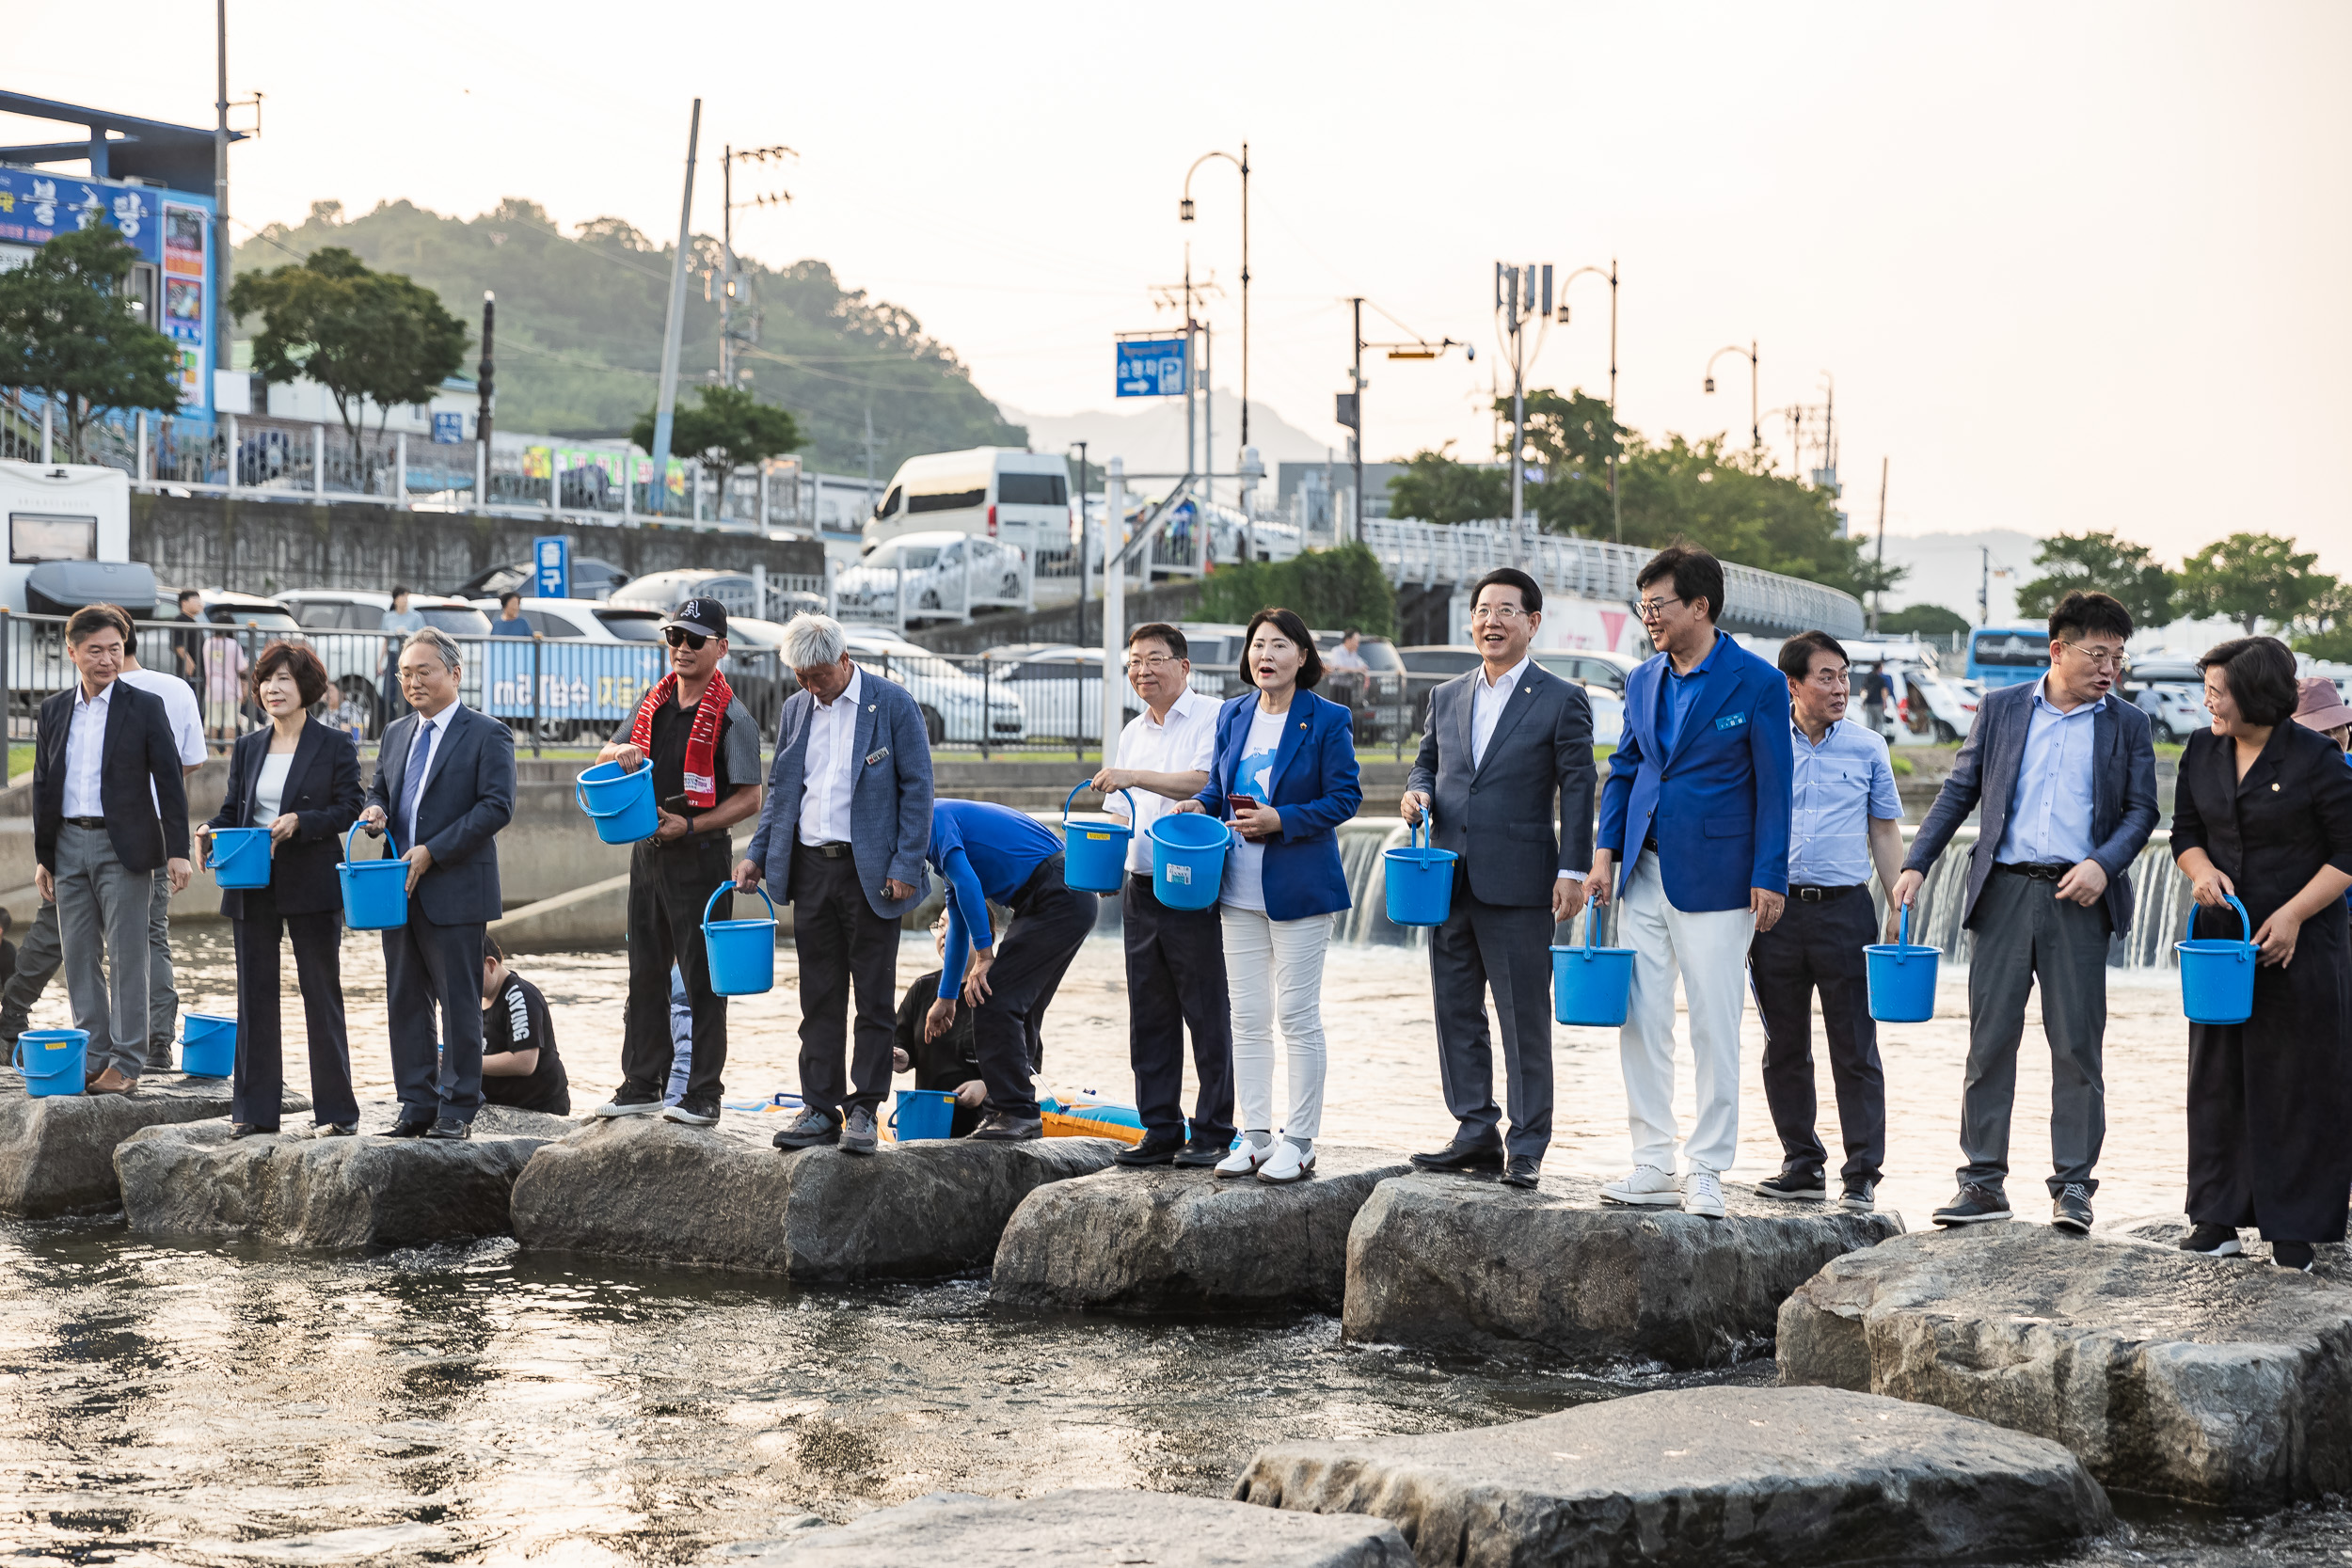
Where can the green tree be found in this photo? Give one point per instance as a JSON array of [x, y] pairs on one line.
[[1922, 620], [1572, 436], [365, 336], [67, 333], [1733, 504], [2331, 635], [1438, 487], [2101, 563], [731, 430], [2252, 578], [1342, 587]]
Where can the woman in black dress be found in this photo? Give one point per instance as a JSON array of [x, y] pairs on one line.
[[2264, 810]]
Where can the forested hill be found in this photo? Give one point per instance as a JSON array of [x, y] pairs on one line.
[[579, 319]]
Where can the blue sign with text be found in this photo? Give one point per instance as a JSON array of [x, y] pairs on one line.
[[449, 430], [1152, 368], [551, 567]]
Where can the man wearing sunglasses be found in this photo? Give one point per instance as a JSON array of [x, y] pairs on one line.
[[702, 746]]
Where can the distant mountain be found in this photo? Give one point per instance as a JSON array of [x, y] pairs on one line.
[[579, 321], [1151, 435]]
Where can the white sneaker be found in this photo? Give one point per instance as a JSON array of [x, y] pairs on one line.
[[1647, 1188], [1703, 1193], [1286, 1161], [1246, 1158]]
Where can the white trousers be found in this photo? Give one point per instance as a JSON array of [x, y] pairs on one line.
[[1275, 967], [1711, 951]]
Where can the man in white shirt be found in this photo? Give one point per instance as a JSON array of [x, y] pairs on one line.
[[1175, 957]]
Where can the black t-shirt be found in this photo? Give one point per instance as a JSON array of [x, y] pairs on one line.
[[517, 1019], [735, 757], [948, 1062]]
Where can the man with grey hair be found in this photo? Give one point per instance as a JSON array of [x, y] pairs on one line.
[[842, 835], [444, 785]]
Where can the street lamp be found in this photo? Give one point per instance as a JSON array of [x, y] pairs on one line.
[[1756, 419], [1183, 214], [1616, 512]]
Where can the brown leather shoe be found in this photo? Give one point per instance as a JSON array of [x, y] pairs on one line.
[[110, 1081]]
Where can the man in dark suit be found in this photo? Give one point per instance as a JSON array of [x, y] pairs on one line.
[[1695, 819], [444, 785], [1504, 743], [842, 835], [108, 808], [2066, 775]]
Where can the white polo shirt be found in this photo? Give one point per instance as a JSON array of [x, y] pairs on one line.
[[1183, 742]]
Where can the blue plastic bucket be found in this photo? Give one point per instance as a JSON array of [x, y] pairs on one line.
[[239, 857], [1902, 977], [375, 892], [1094, 854], [208, 1045], [1188, 859], [1591, 987], [620, 803], [1420, 878], [2217, 972], [54, 1061], [742, 953], [923, 1114]]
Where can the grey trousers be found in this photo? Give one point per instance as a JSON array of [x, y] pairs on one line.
[[2024, 932], [40, 956], [104, 910]]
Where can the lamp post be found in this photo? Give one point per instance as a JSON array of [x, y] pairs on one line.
[[1183, 214], [1082, 539], [1755, 418], [1616, 511]]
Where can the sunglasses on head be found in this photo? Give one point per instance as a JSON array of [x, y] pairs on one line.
[[678, 636]]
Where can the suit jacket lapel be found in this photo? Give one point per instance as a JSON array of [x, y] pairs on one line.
[[308, 747], [1515, 705], [1464, 714], [1295, 724], [862, 737], [396, 763]]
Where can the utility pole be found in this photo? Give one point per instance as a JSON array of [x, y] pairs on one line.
[[1616, 505], [483, 386], [869, 457], [1984, 585], [1082, 542], [220, 192], [729, 286], [665, 407], [1516, 299], [1356, 442], [1878, 593]]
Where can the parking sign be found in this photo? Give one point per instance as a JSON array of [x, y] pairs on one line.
[[551, 566], [1152, 368]]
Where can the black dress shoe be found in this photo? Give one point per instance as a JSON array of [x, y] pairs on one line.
[[1461, 1156], [242, 1129], [1157, 1148], [1519, 1170], [450, 1130], [407, 1127], [1197, 1155]]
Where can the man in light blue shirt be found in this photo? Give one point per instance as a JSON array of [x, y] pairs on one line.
[[1844, 815]]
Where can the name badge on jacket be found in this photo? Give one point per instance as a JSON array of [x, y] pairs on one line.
[[1731, 720], [873, 758]]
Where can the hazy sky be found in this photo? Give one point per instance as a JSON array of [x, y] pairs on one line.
[[2070, 267]]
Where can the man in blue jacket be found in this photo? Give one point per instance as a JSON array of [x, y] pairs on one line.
[[1694, 822], [841, 837]]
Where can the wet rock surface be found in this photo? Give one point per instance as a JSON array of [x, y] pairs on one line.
[[1456, 1260], [1703, 1477], [295, 1189], [1161, 1240], [2209, 1380], [654, 1191], [57, 1153], [1081, 1527]]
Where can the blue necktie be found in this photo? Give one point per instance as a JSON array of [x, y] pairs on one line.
[[411, 781]]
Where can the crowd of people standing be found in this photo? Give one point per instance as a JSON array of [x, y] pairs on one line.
[[1735, 836]]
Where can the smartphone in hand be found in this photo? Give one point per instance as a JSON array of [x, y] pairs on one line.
[[1240, 802]]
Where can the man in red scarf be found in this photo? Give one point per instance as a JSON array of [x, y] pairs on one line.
[[702, 746]]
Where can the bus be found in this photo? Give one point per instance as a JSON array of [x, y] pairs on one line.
[[2008, 656]]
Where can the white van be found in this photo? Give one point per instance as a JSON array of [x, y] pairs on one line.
[[1017, 497], [69, 538]]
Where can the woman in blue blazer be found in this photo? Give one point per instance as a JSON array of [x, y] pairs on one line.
[[1283, 778], [300, 779]]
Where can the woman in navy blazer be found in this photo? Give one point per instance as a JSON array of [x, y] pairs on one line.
[[300, 779], [1284, 779]]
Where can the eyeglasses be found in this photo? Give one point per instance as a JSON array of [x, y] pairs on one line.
[[678, 636], [1505, 612], [2099, 658], [1650, 610], [1155, 661]]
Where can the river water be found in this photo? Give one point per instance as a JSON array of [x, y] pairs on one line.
[[208, 1405]]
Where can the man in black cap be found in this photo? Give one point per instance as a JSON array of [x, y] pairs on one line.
[[702, 746]]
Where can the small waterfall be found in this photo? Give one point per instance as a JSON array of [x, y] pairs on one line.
[[1366, 923]]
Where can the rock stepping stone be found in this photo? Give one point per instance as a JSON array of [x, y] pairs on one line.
[[295, 1190], [1161, 1240], [1085, 1528], [2331, 1260], [2211, 1380], [643, 1188], [1703, 1477], [1463, 1262], [57, 1153]]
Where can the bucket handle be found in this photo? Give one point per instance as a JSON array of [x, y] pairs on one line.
[[1903, 935], [1089, 783], [2245, 922], [1416, 835], [1592, 919], [389, 842], [728, 886], [579, 791], [211, 842]]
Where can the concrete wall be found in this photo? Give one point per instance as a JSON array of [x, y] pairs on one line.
[[267, 546]]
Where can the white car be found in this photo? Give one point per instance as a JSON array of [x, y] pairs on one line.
[[360, 666], [2176, 709], [958, 709], [1060, 688], [943, 577]]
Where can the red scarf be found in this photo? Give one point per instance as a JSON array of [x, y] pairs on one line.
[[701, 742]]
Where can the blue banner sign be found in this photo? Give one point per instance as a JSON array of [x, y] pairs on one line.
[[1152, 368], [35, 208], [449, 430], [598, 683], [551, 567]]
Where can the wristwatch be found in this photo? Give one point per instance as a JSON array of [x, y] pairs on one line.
[[688, 819]]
